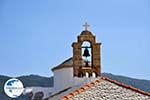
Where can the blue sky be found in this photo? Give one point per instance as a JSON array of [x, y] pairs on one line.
[[36, 35]]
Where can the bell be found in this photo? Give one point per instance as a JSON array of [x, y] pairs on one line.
[[86, 53]]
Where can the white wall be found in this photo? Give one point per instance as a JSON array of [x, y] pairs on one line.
[[63, 78], [73, 82]]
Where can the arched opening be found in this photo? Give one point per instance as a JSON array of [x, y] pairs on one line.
[[86, 53], [94, 74], [86, 74]]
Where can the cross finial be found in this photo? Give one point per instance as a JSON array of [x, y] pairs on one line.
[[86, 26]]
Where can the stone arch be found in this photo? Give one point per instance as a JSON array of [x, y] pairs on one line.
[[89, 47], [94, 58], [86, 36], [90, 74], [86, 74], [94, 74]]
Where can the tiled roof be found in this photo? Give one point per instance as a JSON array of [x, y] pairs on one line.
[[66, 63], [105, 88]]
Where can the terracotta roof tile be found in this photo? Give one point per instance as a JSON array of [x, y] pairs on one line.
[[126, 86], [94, 83]]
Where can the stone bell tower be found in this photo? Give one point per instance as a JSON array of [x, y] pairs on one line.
[[86, 55]]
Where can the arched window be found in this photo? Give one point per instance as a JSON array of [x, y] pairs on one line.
[[86, 53]]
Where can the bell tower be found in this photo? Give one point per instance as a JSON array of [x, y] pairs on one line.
[[86, 55]]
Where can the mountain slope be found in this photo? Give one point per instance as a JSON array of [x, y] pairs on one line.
[[35, 80], [137, 83], [28, 81]]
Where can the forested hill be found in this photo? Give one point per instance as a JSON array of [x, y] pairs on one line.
[[137, 83], [36, 80]]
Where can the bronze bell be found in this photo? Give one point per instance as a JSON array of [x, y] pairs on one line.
[[86, 52]]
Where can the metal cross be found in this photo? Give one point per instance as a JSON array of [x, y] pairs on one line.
[[86, 26]]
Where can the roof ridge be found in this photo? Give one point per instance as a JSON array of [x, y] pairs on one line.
[[62, 64], [126, 86], [102, 78], [66, 60]]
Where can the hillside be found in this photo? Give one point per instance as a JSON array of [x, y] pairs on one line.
[[137, 83], [28, 81], [35, 80]]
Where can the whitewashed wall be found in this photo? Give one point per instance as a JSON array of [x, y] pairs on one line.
[[63, 78]]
